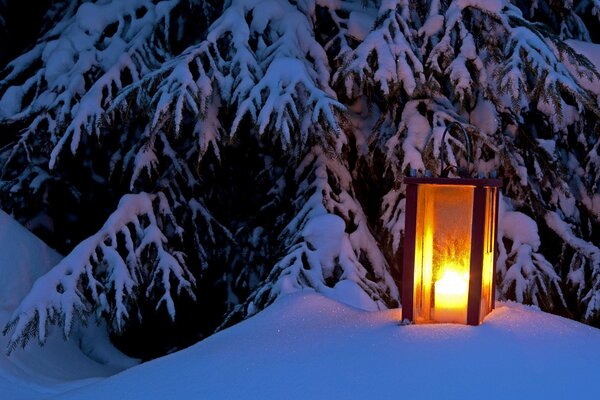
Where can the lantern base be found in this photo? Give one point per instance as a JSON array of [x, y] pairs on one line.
[[449, 315]]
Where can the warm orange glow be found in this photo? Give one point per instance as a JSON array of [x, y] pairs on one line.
[[442, 253], [449, 253], [451, 296]]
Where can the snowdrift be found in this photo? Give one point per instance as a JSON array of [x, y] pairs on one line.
[[306, 346], [39, 372]]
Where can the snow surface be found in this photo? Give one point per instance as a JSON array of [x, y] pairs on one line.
[[38, 372], [305, 346], [23, 257]]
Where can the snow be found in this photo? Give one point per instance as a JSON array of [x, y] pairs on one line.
[[518, 264], [285, 74], [520, 228], [491, 6], [397, 63], [360, 24], [23, 257], [432, 25], [485, 117], [592, 52], [548, 145], [59, 296], [283, 91], [326, 242], [418, 131], [325, 233], [38, 372], [11, 101], [81, 68], [306, 346], [589, 250]]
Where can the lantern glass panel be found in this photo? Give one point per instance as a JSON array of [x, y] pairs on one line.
[[443, 251], [488, 254]]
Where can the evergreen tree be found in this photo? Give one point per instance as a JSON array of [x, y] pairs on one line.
[[198, 157]]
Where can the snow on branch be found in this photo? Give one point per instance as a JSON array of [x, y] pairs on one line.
[[345, 21], [190, 83], [327, 245], [567, 19], [589, 6], [104, 274], [535, 71], [385, 59], [292, 96], [525, 274], [450, 49], [287, 100], [261, 60], [585, 263], [69, 78], [417, 144]]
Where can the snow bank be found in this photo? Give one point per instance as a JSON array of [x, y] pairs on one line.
[[39, 372], [306, 346], [23, 257]]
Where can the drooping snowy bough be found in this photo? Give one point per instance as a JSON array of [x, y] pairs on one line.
[[104, 274], [327, 244], [225, 154]]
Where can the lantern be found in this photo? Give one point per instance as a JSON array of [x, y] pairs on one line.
[[449, 249], [449, 257]]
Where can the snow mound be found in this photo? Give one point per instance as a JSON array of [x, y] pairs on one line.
[[306, 346], [38, 372], [23, 257]]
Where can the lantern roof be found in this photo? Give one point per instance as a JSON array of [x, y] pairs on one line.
[[475, 182]]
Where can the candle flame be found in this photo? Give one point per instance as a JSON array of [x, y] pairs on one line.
[[452, 283]]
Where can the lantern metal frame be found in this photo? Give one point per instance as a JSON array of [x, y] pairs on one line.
[[482, 190]]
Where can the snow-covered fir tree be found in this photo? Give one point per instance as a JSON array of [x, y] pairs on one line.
[[195, 160]]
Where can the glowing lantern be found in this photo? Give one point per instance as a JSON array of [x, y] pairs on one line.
[[449, 257]]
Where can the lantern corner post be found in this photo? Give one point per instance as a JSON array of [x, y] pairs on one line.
[[408, 264], [496, 195], [477, 250]]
